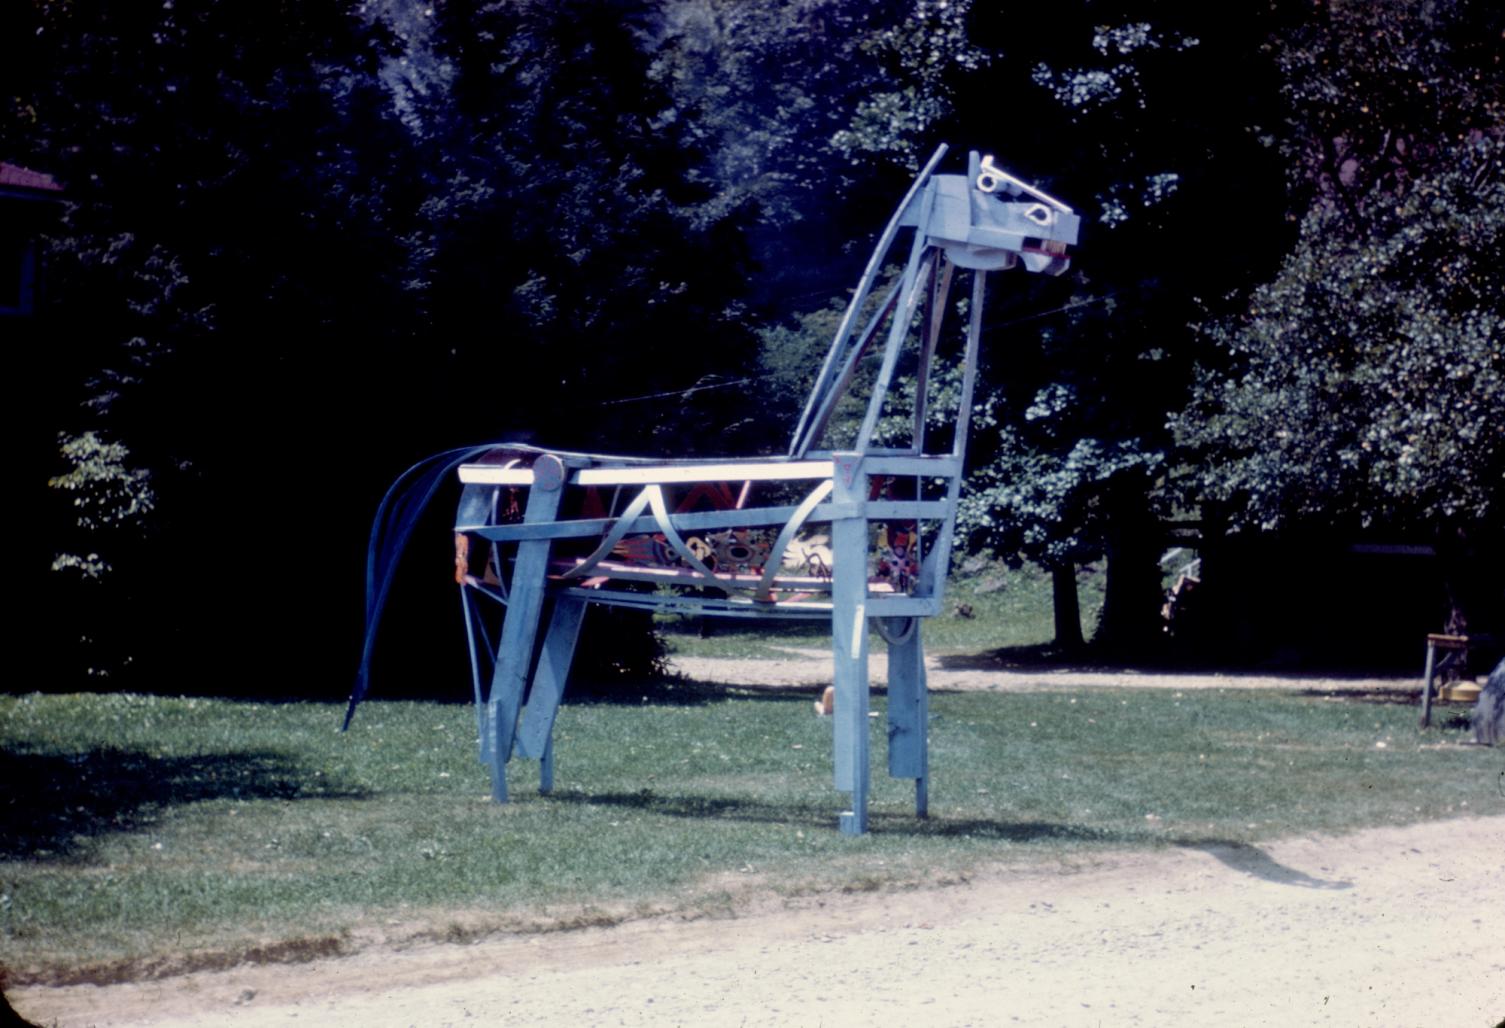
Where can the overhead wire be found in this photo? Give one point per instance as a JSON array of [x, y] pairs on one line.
[[700, 388]]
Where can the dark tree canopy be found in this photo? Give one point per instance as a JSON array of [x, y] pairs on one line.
[[1366, 380], [306, 244]]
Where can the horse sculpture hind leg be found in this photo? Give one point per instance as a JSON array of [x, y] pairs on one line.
[[514, 664], [535, 735]]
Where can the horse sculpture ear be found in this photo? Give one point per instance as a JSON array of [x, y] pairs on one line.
[[987, 176]]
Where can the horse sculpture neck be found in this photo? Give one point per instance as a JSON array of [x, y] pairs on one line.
[[984, 221]]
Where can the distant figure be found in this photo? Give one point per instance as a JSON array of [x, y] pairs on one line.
[[1489, 712]]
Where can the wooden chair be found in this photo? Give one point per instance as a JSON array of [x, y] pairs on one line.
[[855, 535], [1454, 649]]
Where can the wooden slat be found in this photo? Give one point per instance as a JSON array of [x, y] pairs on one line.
[[685, 576], [858, 349], [586, 527], [902, 606], [927, 467], [490, 474], [849, 546], [899, 328], [907, 710], [904, 510], [669, 474], [705, 520], [660, 474], [713, 605]]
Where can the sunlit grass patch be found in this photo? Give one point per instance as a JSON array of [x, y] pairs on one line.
[[988, 607]]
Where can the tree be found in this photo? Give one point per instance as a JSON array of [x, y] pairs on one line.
[[1365, 382], [1133, 113], [564, 230], [1378, 92], [1362, 385], [1139, 114], [222, 261]]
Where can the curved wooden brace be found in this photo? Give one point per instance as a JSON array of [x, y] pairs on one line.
[[618, 530], [764, 591], [661, 515]]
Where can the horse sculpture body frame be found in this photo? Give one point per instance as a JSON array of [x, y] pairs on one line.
[[544, 531]]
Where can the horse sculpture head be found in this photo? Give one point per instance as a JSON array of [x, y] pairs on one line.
[[989, 220]]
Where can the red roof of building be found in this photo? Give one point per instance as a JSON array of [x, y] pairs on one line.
[[24, 178]]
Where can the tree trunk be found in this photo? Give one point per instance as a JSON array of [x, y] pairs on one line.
[[1066, 607], [1131, 624]]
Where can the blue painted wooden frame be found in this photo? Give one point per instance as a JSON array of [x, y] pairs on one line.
[[983, 221]]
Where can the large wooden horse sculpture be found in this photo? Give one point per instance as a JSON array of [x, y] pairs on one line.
[[856, 535]]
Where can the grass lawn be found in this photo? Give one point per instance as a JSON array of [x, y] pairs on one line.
[[146, 834]]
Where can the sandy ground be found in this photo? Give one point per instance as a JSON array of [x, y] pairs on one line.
[[1391, 926]]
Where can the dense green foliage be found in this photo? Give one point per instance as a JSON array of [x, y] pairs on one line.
[[1362, 388], [303, 245], [1370, 378]]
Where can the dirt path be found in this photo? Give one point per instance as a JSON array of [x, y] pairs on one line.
[[1384, 927], [1392, 926]]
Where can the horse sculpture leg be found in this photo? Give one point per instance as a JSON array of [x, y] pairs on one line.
[[480, 650], [514, 657], [908, 708], [849, 544], [536, 733]]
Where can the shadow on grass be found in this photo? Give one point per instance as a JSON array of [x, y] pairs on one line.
[[670, 690], [1447, 715], [734, 808], [1381, 697], [1045, 656], [1239, 856], [55, 802]]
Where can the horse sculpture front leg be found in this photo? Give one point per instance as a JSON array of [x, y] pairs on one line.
[[849, 544], [908, 707]]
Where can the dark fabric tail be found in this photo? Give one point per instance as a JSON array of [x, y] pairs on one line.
[[395, 519]]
